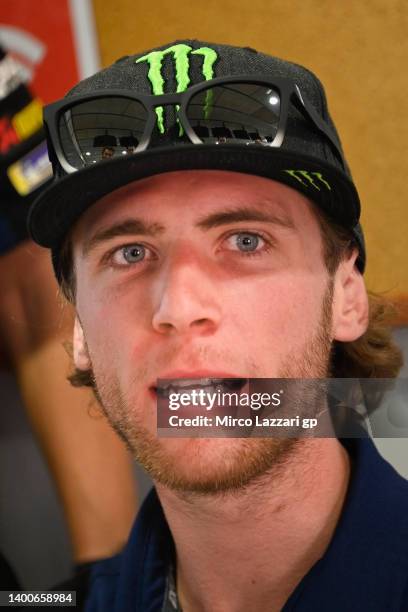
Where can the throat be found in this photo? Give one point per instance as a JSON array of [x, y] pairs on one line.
[[284, 525]]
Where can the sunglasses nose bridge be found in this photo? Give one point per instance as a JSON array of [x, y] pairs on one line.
[[165, 100], [162, 121]]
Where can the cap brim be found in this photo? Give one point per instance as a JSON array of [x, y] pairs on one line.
[[57, 208]]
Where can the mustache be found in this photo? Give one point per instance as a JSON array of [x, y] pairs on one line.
[[194, 357]]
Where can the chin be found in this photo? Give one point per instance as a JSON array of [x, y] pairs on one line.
[[209, 465], [198, 457]]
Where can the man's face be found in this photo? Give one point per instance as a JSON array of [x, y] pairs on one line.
[[199, 274]]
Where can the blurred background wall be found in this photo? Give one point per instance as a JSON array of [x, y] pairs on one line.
[[359, 51]]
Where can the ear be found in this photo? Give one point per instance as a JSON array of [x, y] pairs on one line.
[[81, 355], [350, 302]]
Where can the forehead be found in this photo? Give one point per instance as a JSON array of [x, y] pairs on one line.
[[182, 197]]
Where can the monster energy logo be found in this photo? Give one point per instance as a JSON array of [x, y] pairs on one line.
[[181, 55], [308, 179]]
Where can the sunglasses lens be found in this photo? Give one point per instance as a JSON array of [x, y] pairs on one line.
[[235, 112], [100, 129]]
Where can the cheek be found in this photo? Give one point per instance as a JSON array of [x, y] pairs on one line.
[[112, 328], [278, 314]]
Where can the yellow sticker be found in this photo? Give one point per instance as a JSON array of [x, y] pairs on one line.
[[29, 120], [18, 181]]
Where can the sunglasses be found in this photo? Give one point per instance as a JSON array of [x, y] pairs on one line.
[[96, 127]]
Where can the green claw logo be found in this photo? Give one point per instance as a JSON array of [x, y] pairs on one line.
[[308, 179], [181, 56]]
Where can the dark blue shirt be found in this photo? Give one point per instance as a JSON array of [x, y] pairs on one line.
[[364, 569]]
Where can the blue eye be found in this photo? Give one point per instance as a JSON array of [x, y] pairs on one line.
[[247, 242], [134, 253], [131, 254]]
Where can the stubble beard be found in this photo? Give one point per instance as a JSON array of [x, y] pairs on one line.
[[237, 463]]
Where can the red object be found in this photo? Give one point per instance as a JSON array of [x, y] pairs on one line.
[[8, 135], [49, 22]]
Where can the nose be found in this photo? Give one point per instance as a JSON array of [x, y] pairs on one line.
[[187, 298]]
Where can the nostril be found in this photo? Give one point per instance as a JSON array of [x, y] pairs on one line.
[[203, 326], [201, 321], [166, 326]]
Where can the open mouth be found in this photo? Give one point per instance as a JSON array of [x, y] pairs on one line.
[[165, 388]]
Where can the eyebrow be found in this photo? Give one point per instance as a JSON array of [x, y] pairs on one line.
[[127, 227], [244, 213], [137, 226]]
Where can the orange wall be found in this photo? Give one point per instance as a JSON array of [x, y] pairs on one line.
[[359, 49]]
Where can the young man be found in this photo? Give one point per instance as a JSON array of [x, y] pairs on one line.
[[226, 246]]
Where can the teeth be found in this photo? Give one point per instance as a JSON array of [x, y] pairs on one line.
[[166, 391], [192, 382], [208, 385]]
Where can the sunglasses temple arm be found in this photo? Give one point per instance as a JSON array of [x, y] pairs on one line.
[[322, 126]]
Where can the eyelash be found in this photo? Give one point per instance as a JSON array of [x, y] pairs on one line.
[[108, 258]]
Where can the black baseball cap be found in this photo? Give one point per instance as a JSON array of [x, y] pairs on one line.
[[309, 158]]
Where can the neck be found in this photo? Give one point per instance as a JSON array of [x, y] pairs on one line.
[[249, 549]]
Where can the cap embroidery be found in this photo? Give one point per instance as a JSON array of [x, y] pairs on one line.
[[304, 174], [181, 56]]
